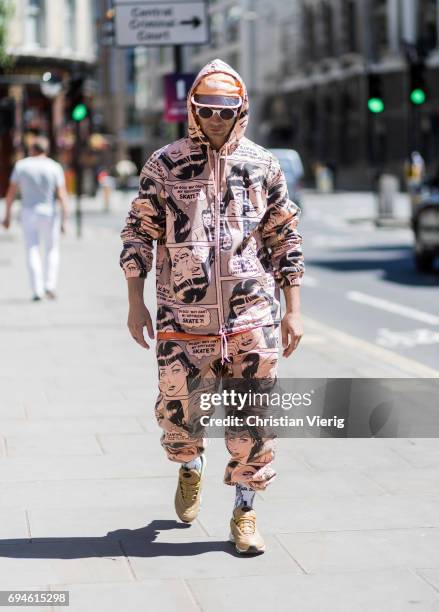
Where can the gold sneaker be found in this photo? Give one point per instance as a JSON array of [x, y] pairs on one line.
[[244, 533], [188, 493]]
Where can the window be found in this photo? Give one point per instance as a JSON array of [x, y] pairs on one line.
[[379, 27], [132, 118], [216, 29], [327, 18], [428, 23], [309, 30], [70, 23], [232, 24], [131, 70], [35, 22]]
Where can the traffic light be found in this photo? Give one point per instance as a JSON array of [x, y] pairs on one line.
[[375, 100], [78, 105], [418, 94]]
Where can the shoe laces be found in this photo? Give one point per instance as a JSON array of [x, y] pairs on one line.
[[189, 490], [246, 524]]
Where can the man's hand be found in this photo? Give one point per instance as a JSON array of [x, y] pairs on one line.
[[6, 221], [292, 331], [64, 223], [138, 318]]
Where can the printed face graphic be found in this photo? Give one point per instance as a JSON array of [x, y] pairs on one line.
[[239, 444], [267, 366], [207, 219], [255, 196], [249, 340], [275, 220], [187, 265], [130, 266], [173, 379], [243, 473], [191, 273], [234, 208], [242, 304]]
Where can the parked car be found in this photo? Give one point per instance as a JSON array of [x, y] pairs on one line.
[[425, 224], [292, 167]]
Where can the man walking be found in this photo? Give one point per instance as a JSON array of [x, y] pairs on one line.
[[227, 243], [40, 181]]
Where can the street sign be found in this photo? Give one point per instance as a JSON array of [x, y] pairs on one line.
[[177, 86], [161, 23]]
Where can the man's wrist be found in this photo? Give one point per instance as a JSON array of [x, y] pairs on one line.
[[136, 299]]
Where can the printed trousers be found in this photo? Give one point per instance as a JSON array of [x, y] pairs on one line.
[[190, 369]]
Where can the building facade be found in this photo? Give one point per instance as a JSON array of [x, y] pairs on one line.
[[328, 49], [118, 84], [44, 36], [307, 66]]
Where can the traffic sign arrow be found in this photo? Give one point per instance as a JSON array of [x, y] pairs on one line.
[[195, 22]]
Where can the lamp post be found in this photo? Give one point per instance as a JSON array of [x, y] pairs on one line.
[[51, 86]]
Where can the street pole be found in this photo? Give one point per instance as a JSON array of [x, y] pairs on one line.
[[78, 175], [178, 67]]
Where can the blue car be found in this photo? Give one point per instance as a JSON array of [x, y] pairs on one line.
[[292, 167]]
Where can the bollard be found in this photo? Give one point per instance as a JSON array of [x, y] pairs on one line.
[[388, 187]]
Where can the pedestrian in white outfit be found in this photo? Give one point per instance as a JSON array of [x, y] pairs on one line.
[[41, 182]]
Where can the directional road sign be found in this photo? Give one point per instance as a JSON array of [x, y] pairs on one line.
[[161, 23]]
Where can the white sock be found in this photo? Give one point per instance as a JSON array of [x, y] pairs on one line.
[[244, 496], [195, 464]]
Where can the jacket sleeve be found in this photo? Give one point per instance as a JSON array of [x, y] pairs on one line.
[[279, 231], [145, 223]]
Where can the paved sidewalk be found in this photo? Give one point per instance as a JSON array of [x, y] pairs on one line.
[[87, 494]]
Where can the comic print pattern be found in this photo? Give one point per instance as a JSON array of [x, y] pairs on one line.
[[226, 231], [188, 368]]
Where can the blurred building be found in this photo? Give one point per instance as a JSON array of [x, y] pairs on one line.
[[119, 80], [328, 49], [44, 36], [306, 64]]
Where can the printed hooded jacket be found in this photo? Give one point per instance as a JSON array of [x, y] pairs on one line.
[[226, 231]]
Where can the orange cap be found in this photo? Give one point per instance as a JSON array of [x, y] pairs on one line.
[[218, 84]]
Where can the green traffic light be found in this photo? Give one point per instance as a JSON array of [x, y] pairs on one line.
[[80, 112], [417, 96], [375, 105]]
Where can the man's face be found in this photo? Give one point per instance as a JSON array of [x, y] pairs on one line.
[[216, 129]]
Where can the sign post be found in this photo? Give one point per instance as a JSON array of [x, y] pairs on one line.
[[161, 23], [155, 24]]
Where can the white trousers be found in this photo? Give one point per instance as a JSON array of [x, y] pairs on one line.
[[38, 229]]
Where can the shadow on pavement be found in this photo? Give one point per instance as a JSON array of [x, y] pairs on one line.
[[400, 270], [122, 542]]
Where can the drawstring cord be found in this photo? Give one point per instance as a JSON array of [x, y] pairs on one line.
[[224, 351]]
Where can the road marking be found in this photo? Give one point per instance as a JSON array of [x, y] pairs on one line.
[[415, 337], [412, 368], [404, 311]]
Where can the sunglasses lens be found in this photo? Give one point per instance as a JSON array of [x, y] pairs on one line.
[[227, 113], [205, 113]]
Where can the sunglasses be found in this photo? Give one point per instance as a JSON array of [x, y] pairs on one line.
[[208, 106], [205, 112]]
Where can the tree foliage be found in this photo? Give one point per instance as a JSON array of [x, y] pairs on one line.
[[6, 12]]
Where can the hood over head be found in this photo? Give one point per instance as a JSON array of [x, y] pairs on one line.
[[217, 79]]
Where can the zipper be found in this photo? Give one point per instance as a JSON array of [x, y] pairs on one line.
[[217, 179]]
